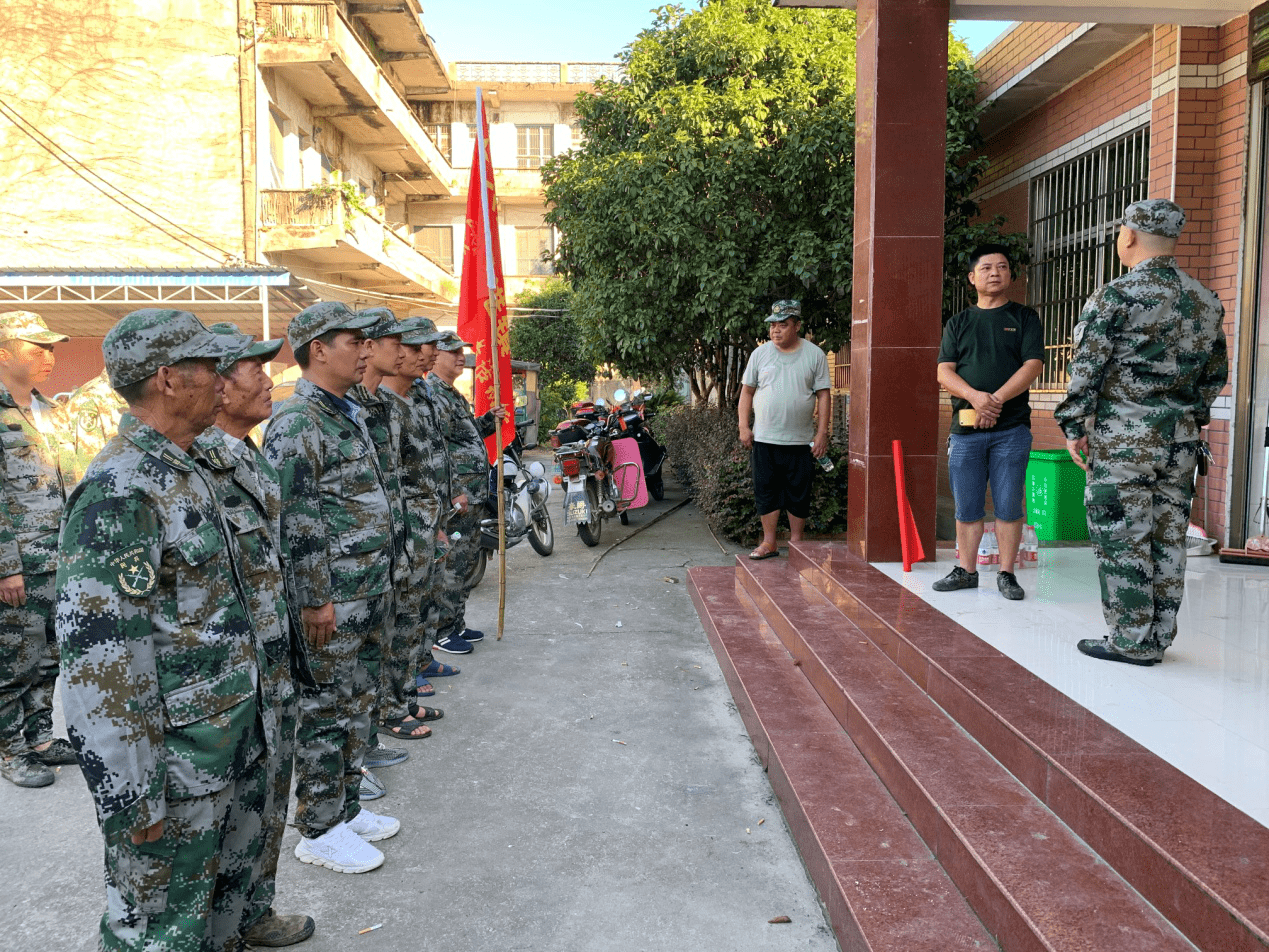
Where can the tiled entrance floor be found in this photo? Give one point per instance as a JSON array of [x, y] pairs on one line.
[[1205, 709]]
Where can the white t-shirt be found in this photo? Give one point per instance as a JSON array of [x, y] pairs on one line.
[[785, 385]]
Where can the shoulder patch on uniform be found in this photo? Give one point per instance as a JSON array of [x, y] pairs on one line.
[[172, 459], [218, 458], [133, 572]]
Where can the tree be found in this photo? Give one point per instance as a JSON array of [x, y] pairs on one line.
[[548, 333], [715, 178]]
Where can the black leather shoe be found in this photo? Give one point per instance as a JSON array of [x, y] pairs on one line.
[[1098, 648], [955, 580], [1007, 582]]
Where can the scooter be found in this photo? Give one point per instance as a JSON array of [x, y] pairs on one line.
[[632, 421], [597, 485]]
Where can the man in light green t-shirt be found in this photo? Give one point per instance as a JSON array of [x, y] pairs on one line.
[[785, 386]]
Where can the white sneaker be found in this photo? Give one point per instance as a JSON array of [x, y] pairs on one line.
[[371, 826], [339, 849]]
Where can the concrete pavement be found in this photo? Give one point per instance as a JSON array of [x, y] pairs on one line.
[[590, 787]]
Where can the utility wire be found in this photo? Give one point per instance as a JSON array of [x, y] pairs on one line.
[[68, 160]]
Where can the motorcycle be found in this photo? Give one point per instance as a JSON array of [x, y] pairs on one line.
[[632, 420], [526, 491], [599, 479]]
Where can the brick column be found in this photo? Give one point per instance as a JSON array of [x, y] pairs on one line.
[[901, 120]]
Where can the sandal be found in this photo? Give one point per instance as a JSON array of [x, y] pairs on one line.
[[420, 713], [764, 551], [437, 670], [422, 688], [406, 728]]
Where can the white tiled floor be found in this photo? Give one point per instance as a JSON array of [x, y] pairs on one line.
[[1205, 709]]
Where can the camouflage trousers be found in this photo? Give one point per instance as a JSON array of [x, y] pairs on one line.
[[452, 590], [28, 667], [1138, 512], [188, 891], [335, 717], [279, 767], [407, 641]]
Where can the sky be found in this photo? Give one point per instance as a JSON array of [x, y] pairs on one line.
[[570, 30]]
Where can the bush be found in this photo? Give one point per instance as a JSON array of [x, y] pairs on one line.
[[707, 457]]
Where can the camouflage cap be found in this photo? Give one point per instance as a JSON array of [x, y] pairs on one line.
[[153, 337], [385, 325], [29, 326], [783, 310], [264, 349], [451, 341], [316, 319], [420, 330], [1155, 216]]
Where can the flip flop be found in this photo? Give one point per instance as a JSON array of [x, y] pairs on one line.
[[421, 713], [404, 728], [763, 552], [436, 669]]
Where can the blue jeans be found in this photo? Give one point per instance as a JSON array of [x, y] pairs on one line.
[[974, 459]]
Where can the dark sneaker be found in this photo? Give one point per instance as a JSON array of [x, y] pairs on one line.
[[372, 787], [1100, 649], [57, 754], [472, 636], [26, 771], [955, 580], [383, 756], [451, 644], [1007, 582], [274, 931]]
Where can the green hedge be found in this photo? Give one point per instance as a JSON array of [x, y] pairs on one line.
[[707, 457]]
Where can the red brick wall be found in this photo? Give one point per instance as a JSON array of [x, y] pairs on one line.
[[1025, 43]]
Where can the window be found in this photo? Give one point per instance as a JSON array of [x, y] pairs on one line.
[[531, 244], [440, 134], [1073, 209], [278, 131], [437, 242], [534, 145]]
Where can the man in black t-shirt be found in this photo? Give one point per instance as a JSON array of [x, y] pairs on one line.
[[990, 355]]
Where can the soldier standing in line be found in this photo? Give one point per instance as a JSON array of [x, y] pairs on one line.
[[431, 411], [337, 534], [160, 663], [36, 463], [248, 489], [469, 468], [93, 411], [1149, 361]]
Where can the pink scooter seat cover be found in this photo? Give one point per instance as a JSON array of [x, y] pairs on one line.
[[627, 451]]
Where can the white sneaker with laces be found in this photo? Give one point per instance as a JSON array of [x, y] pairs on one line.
[[340, 849], [371, 826]]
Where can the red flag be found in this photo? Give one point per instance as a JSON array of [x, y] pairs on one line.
[[482, 299], [909, 537]]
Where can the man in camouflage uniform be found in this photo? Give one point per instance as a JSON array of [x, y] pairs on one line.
[[248, 490], [337, 534], [36, 462], [1149, 360], [469, 470], [160, 662], [93, 411]]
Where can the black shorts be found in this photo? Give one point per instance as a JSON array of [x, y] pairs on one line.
[[782, 478]]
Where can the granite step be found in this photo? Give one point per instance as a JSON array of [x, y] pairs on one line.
[[881, 886], [1200, 861]]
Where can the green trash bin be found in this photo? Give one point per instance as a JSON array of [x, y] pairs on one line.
[[1055, 496]]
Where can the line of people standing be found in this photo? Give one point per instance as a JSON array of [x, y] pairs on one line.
[[225, 614]]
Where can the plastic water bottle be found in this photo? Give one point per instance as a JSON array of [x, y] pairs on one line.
[[988, 548], [1030, 548], [826, 464]]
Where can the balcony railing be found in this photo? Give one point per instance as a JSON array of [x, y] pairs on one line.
[[474, 72]]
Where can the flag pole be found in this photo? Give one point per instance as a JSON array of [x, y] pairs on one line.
[[491, 282]]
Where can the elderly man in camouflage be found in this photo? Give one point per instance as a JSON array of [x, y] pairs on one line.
[[469, 468], [248, 490], [160, 662], [36, 462], [337, 533], [1149, 360]]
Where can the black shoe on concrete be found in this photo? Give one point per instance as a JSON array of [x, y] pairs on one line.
[[955, 580], [274, 931], [1007, 582], [1099, 648]]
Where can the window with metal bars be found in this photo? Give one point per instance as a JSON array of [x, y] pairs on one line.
[[1073, 211], [534, 145], [441, 136]]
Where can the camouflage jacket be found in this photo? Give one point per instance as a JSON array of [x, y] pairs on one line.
[[249, 492], [384, 421], [424, 477], [160, 664], [37, 465], [337, 525], [93, 411], [1149, 358], [465, 434]]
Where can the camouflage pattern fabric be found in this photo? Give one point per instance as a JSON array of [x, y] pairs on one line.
[[336, 516], [1149, 360], [465, 436], [434, 449], [248, 489], [316, 319], [93, 410], [154, 337], [36, 464], [336, 715], [160, 677], [452, 591], [384, 419]]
